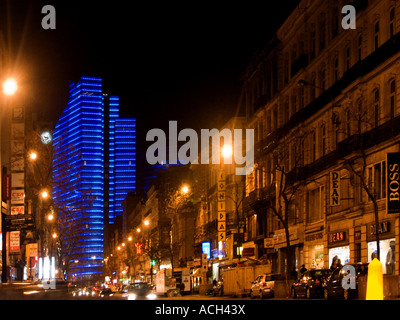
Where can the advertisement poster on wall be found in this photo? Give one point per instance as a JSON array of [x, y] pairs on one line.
[[14, 241]]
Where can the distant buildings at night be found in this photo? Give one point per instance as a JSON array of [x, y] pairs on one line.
[[94, 168]]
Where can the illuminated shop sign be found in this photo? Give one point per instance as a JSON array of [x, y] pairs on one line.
[[393, 183], [206, 249], [337, 236], [335, 189]]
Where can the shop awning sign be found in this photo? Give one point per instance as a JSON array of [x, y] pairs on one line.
[[393, 183]]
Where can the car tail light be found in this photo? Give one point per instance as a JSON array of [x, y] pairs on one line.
[[317, 282], [264, 284]]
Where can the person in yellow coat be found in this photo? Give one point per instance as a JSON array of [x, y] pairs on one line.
[[375, 281]]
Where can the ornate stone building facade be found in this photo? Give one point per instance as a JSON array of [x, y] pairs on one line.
[[324, 103]]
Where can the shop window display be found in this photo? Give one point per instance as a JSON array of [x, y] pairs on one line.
[[387, 254], [339, 256], [317, 257]]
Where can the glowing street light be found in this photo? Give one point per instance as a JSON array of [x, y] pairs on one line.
[[10, 86], [50, 217], [44, 194], [33, 155], [146, 222], [185, 189], [226, 151], [54, 235]]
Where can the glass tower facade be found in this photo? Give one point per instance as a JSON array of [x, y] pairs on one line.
[[94, 167]]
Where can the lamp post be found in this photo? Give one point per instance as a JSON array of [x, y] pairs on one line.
[[9, 89]]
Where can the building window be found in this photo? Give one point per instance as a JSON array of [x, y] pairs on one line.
[[301, 97], [286, 71], [376, 108], [275, 117], [313, 40], [348, 58], [269, 123], [392, 99], [377, 180], [313, 146], [323, 79], [322, 32], [359, 116], [391, 23], [312, 88], [336, 69], [323, 140], [376, 35], [286, 111], [348, 123], [294, 102], [314, 204], [335, 21]]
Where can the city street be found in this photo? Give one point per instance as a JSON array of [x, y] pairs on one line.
[[29, 291], [256, 155]]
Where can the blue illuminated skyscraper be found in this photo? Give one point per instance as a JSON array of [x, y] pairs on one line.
[[94, 168]]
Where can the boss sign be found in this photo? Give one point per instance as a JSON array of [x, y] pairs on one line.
[[393, 182]]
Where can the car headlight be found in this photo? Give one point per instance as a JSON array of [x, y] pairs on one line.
[[151, 296], [131, 296]]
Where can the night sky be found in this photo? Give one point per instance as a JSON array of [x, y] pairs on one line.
[[166, 60]]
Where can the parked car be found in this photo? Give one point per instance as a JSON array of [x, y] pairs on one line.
[[264, 285], [333, 286], [218, 289], [310, 283]]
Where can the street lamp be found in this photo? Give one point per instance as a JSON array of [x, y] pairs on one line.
[[33, 155], [226, 151], [10, 86], [44, 194], [185, 189], [9, 89]]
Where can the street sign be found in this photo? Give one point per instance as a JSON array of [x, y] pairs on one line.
[[221, 236], [221, 215], [221, 226]]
